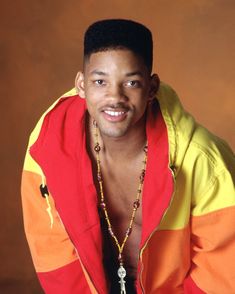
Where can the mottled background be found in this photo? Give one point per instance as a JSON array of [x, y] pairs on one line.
[[40, 53]]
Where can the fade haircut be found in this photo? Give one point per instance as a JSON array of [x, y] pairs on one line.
[[119, 34]]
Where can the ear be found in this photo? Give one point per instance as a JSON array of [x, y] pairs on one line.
[[79, 84], [154, 86]]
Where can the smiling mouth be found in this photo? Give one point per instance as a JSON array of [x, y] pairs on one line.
[[114, 113]]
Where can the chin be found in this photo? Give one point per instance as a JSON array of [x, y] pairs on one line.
[[112, 132]]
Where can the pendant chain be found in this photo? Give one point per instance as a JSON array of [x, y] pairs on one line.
[[136, 203]]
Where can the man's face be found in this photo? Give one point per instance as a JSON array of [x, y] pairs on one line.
[[116, 88]]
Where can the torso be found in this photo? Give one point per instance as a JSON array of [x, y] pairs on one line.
[[120, 190], [120, 183]]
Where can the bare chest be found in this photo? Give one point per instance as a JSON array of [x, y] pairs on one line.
[[120, 191]]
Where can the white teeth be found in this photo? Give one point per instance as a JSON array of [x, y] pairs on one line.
[[114, 113]]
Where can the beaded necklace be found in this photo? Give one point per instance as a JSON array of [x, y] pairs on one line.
[[121, 271]]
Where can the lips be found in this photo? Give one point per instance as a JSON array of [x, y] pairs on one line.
[[115, 115]]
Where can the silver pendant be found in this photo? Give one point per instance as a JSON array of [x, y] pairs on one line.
[[122, 273]]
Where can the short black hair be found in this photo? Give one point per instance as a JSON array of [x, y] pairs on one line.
[[119, 34]]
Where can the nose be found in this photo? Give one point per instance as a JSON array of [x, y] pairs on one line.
[[116, 93]]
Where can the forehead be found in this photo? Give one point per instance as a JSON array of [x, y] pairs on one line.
[[121, 60]]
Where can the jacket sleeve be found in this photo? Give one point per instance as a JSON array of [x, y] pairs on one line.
[[213, 235], [55, 259]]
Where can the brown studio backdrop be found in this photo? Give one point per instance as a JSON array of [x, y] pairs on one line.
[[40, 53]]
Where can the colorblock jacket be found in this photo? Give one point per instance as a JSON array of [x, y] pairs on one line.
[[188, 205]]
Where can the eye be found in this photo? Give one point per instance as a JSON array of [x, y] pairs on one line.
[[133, 84], [99, 82]]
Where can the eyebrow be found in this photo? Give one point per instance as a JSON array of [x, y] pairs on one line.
[[98, 72], [129, 74], [134, 73]]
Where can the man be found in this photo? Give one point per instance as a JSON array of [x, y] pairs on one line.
[[123, 192]]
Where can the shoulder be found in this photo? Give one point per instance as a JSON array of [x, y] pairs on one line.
[[188, 137], [205, 163], [215, 149], [69, 103], [59, 118]]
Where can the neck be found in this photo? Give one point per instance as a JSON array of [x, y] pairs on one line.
[[126, 147]]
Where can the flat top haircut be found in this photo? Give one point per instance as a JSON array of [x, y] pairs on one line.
[[119, 34]]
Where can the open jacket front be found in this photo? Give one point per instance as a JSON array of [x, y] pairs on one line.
[[188, 229]]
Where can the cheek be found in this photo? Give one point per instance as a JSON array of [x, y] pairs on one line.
[[141, 100], [91, 106], [91, 98], [93, 103], [143, 104], [142, 107], [93, 95]]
